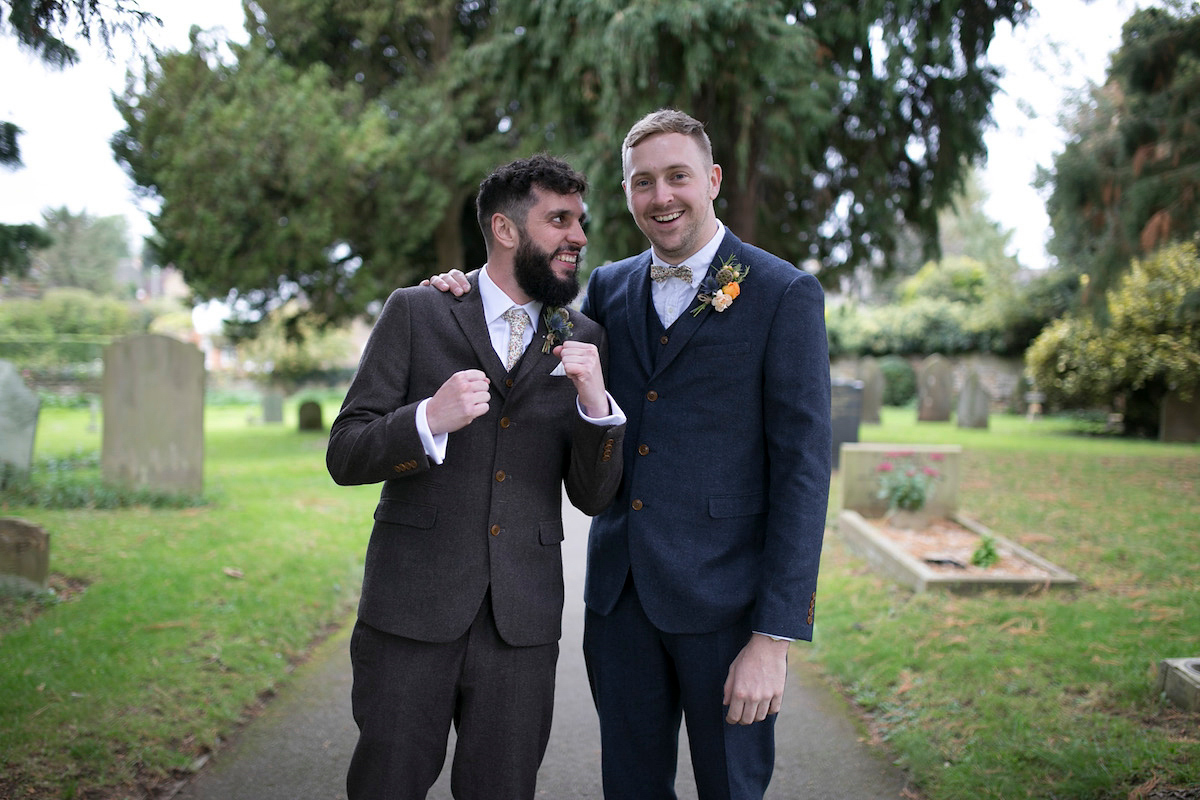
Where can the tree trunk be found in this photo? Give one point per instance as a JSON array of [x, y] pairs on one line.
[[448, 238]]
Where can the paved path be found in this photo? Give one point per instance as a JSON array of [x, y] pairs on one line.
[[299, 747]]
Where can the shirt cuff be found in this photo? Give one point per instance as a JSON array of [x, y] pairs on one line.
[[616, 417], [776, 638], [434, 443]]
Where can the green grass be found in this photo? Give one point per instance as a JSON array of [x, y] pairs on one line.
[[188, 616], [1046, 695]]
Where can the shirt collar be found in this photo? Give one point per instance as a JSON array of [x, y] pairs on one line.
[[699, 261], [496, 302]]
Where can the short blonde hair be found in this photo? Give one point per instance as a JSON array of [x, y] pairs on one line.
[[667, 120]]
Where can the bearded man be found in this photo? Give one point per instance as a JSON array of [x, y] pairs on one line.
[[501, 392]]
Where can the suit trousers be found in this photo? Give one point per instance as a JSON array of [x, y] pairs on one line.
[[406, 693], [643, 681]]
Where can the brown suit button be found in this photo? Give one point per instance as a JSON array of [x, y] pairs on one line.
[[505, 422], [664, 339], [637, 505], [643, 449], [508, 382], [500, 476], [494, 530], [398, 468], [651, 395]]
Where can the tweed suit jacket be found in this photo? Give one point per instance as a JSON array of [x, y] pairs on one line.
[[491, 514], [721, 510]]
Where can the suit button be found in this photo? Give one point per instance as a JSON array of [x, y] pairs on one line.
[[494, 530], [505, 422], [643, 449], [637, 505], [508, 382], [664, 339], [500, 476], [651, 395]]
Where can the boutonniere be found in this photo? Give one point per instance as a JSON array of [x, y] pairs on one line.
[[558, 327], [729, 276]]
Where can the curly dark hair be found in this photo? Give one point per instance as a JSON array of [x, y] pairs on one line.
[[509, 189]]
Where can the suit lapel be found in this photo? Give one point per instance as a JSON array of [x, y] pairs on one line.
[[468, 310], [684, 328], [637, 302]]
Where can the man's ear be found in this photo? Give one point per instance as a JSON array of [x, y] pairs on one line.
[[504, 232]]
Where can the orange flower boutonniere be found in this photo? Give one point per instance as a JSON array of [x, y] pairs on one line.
[[729, 276]]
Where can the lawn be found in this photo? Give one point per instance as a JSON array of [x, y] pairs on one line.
[[173, 624], [1047, 694]]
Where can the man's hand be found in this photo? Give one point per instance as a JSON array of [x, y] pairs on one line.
[[462, 398], [581, 362], [453, 281], [754, 687]]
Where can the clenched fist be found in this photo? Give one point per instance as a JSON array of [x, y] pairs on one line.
[[463, 397], [581, 362]]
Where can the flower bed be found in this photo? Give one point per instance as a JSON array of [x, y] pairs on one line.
[[939, 555]]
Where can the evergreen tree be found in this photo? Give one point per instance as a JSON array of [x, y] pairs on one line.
[[1128, 181], [338, 157]]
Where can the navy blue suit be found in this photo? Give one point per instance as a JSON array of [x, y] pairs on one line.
[[717, 527]]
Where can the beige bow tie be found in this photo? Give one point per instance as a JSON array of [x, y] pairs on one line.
[[660, 274]]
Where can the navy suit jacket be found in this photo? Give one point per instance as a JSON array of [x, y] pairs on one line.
[[721, 508]]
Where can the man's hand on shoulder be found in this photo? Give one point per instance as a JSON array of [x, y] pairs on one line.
[[756, 679], [454, 281]]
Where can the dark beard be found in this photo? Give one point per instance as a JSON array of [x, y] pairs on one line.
[[534, 275]]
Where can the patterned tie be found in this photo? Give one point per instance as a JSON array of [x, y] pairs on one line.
[[660, 274], [517, 320]]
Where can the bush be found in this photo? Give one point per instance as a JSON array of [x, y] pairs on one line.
[[899, 381], [1149, 346]]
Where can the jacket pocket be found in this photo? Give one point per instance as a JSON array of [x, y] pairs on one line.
[[737, 505], [550, 532], [398, 512]]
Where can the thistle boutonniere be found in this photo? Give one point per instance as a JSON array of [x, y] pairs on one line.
[[558, 327], [729, 276]]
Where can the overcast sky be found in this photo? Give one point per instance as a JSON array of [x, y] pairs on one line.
[[68, 116]]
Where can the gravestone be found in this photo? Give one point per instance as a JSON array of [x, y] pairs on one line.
[[861, 469], [872, 392], [845, 402], [935, 386], [1179, 419], [24, 556], [310, 416], [18, 423], [272, 407], [153, 403], [974, 403]]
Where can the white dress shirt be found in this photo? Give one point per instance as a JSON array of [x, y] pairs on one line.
[[672, 297], [495, 303]]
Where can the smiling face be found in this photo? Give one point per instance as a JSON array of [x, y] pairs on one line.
[[546, 261], [670, 187]]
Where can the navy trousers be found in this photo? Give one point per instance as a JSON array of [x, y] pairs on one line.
[[644, 681]]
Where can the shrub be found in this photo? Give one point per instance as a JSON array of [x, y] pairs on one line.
[[899, 381]]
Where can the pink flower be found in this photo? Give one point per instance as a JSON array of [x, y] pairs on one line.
[[885, 466], [930, 471]]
